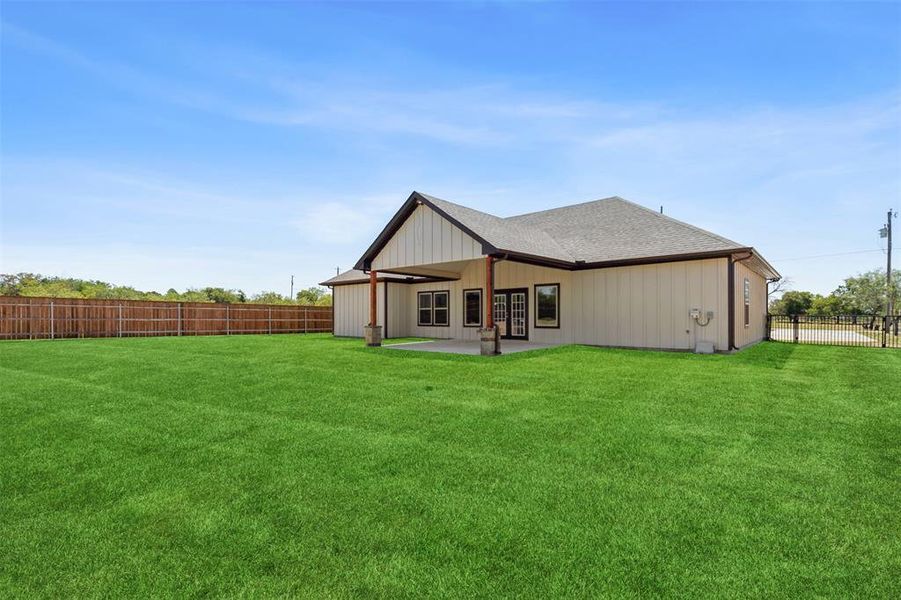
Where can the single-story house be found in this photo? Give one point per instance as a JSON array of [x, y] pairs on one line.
[[606, 273]]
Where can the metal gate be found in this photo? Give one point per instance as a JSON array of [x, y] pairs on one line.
[[873, 331]]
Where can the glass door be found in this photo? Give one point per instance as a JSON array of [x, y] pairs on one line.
[[500, 313], [518, 314], [511, 313]]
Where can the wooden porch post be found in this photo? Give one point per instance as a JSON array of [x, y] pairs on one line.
[[373, 293], [488, 335], [489, 291], [372, 333]]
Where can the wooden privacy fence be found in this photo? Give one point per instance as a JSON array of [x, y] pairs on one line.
[[37, 318]]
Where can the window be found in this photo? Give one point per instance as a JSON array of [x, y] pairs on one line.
[[441, 308], [747, 303], [433, 308], [547, 305], [425, 308], [472, 308]]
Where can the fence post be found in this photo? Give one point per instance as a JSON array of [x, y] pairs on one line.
[[769, 327], [795, 327], [270, 320], [119, 322], [178, 307], [305, 309], [30, 323], [52, 332], [885, 326], [227, 326]]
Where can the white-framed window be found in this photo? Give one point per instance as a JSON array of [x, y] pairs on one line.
[[433, 308], [472, 308], [747, 302], [547, 305]]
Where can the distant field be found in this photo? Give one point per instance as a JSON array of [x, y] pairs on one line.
[[311, 466]]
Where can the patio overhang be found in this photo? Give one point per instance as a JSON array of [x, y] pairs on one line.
[[444, 271]]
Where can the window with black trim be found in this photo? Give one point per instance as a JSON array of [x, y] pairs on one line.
[[425, 308], [441, 303], [472, 308], [433, 308], [747, 302], [547, 305]]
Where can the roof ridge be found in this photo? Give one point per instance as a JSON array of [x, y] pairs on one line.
[[546, 210], [458, 205]]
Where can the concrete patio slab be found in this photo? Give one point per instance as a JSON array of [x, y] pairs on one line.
[[467, 346]]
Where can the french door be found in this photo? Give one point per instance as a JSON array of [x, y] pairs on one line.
[[511, 313]]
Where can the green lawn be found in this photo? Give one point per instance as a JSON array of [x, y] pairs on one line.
[[310, 466]]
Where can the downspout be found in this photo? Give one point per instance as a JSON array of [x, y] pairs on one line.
[[731, 296], [385, 307]]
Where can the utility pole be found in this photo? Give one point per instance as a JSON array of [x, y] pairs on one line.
[[888, 264], [291, 295], [886, 232]]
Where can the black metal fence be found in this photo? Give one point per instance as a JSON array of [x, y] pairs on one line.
[[873, 331]]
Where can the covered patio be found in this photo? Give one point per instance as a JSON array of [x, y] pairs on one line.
[[472, 347]]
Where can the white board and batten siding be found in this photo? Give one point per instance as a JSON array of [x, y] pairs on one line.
[[643, 306], [351, 309], [756, 329], [506, 275], [647, 306], [426, 238], [350, 304]]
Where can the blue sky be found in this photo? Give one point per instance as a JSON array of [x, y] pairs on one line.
[[189, 144]]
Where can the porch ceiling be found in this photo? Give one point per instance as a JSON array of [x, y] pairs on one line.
[[445, 270]]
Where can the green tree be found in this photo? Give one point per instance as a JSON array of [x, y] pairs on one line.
[[314, 296], [224, 296], [793, 303], [865, 294], [829, 306], [271, 298], [192, 295]]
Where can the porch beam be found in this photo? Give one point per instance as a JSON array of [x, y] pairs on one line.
[[424, 272]]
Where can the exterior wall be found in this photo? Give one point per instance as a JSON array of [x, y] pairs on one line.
[[399, 310], [756, 330], [506, 275], [643, 306], [426, 238], [647, 306], [351, 303], [351, 306]]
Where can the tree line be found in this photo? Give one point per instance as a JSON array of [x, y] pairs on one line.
[[32, 284], [865, 294]]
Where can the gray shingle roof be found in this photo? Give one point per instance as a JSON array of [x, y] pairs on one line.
[[599, 231], [504, 233], [616, 229], [357, 276], [605, 232]]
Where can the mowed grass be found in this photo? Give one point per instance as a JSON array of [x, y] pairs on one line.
[[312, 466]]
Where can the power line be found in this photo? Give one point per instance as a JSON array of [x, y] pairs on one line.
[[827, 255]]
